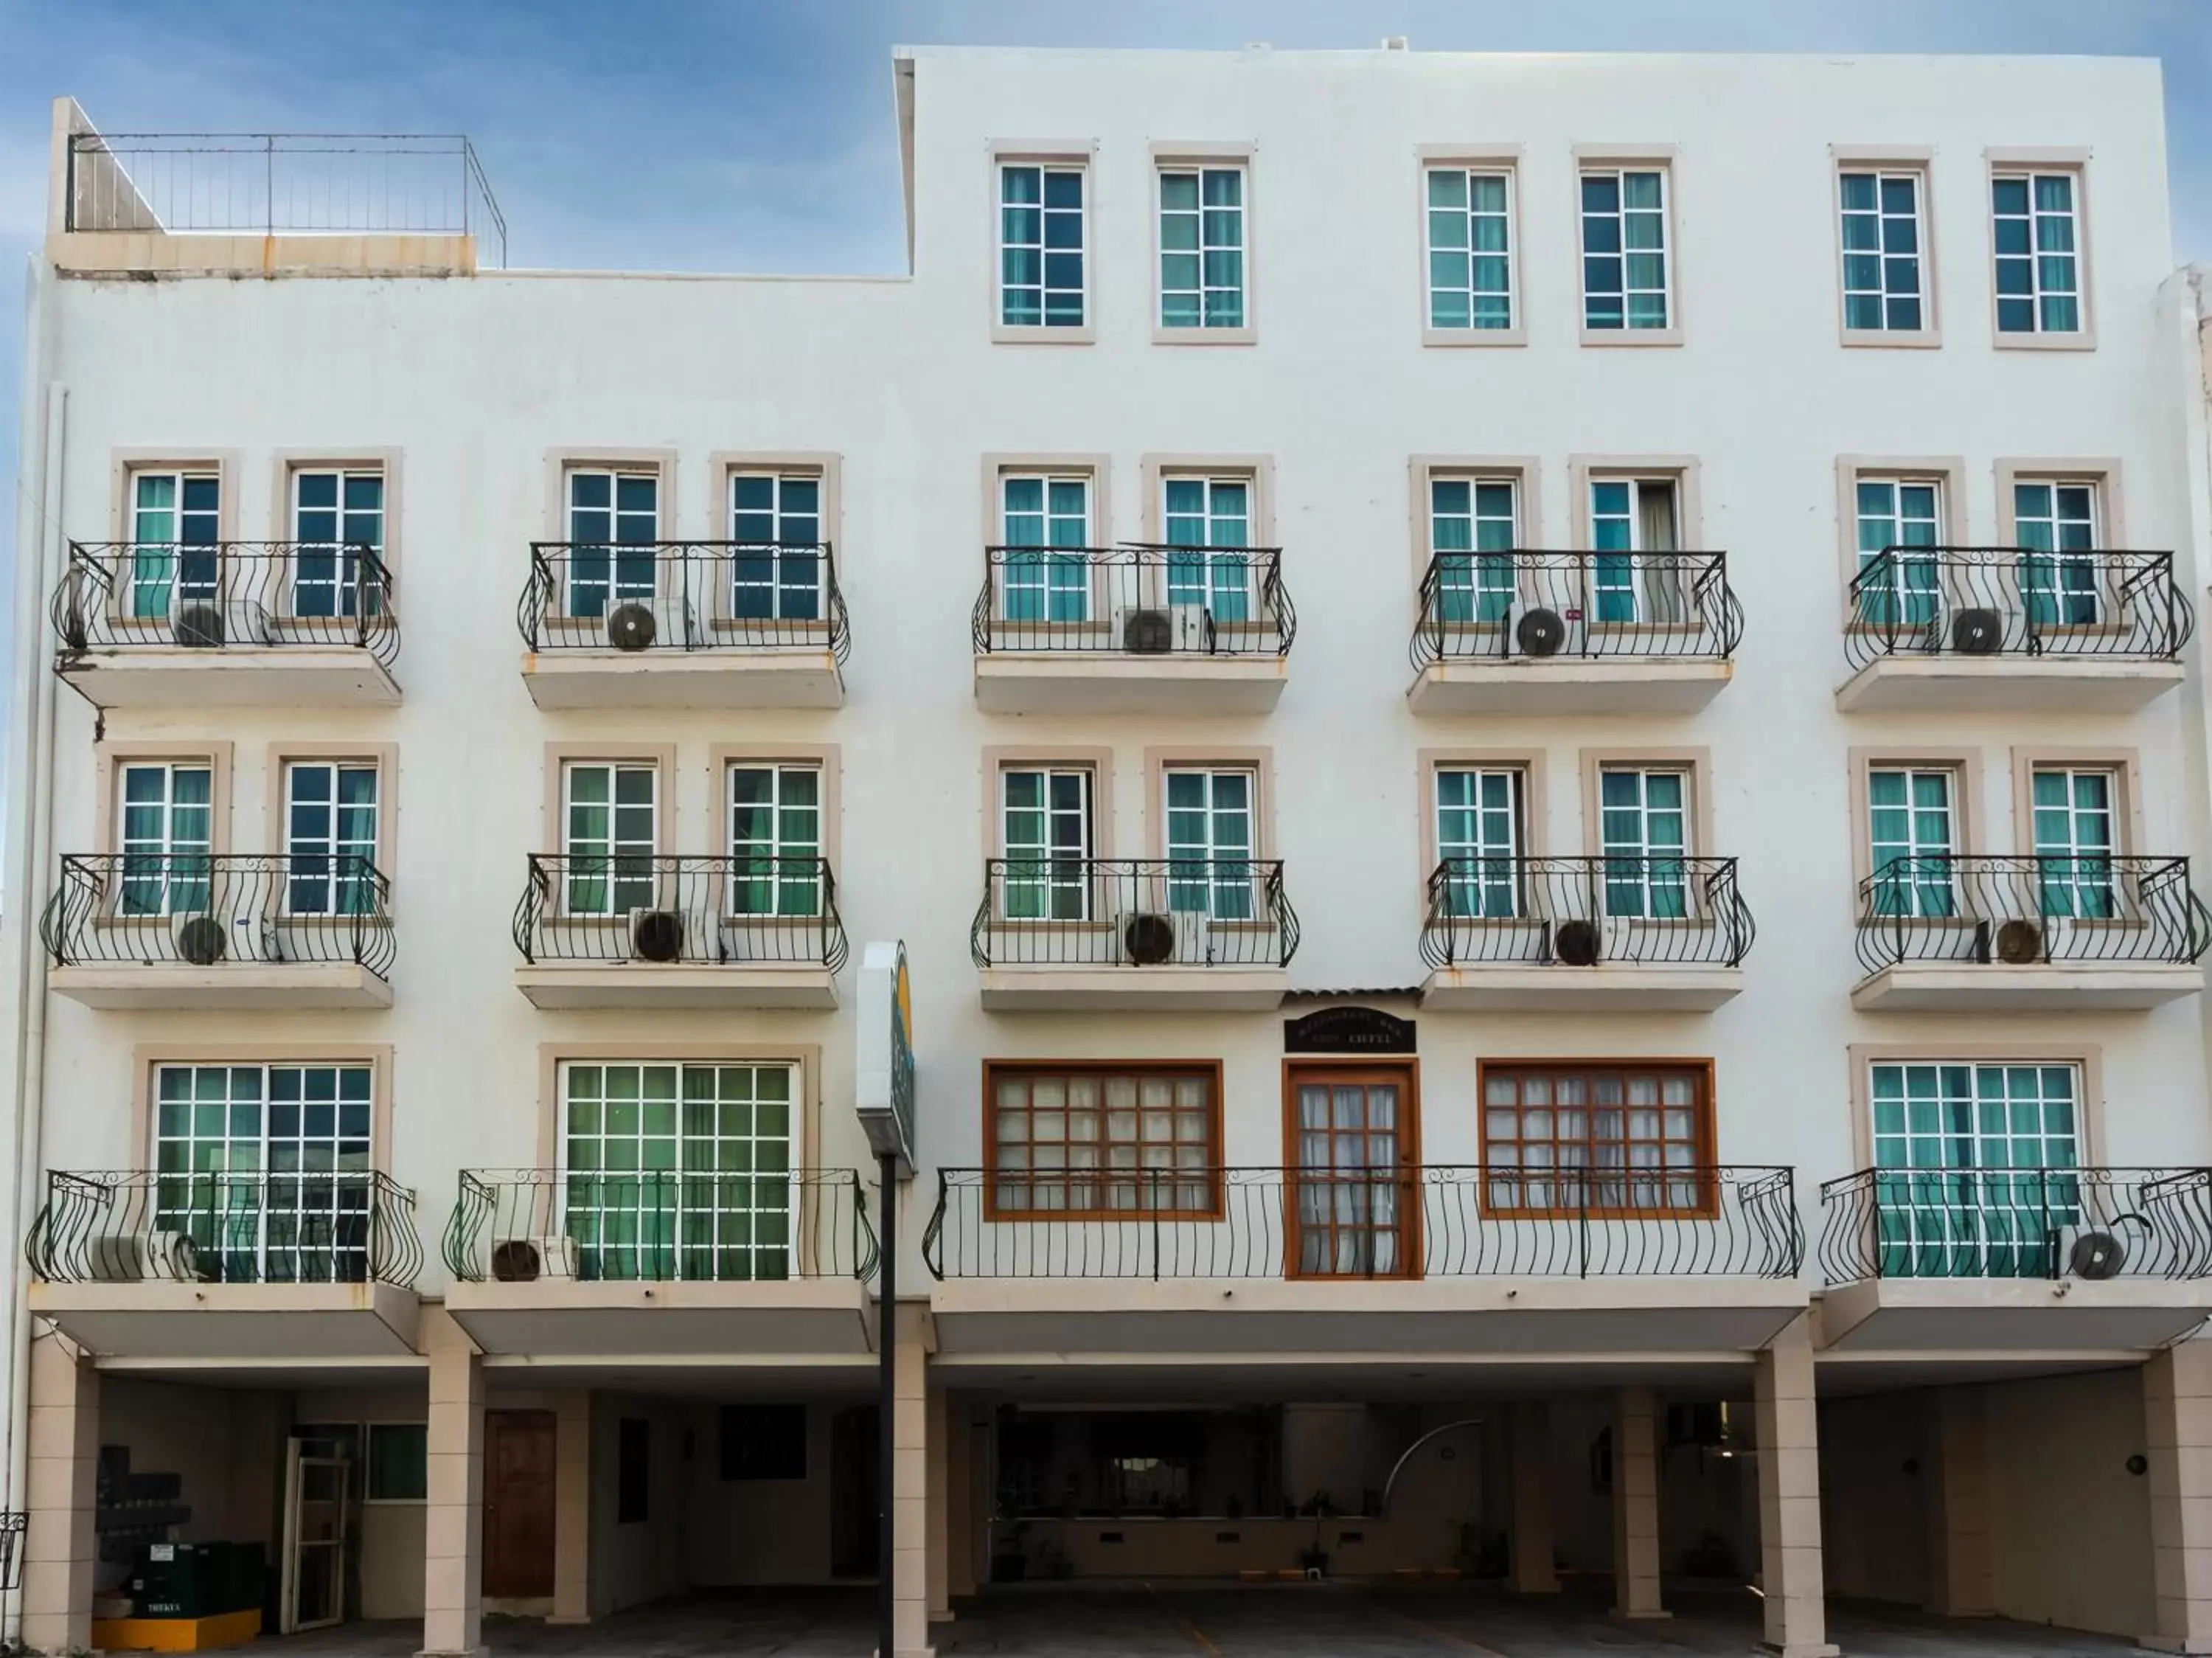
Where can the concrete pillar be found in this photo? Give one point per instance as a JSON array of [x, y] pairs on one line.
[[572, 1508], [940, 1510], [1531, 1549], [1961, 1556], [1789, 1495], [1636, 1505], [453, 1520], [2178, 1441], [61, 1481], [910, 1505], [959, 1499]]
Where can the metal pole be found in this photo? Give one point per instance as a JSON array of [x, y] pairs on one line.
[[886, 1392]]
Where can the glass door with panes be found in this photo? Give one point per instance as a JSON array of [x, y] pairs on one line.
[[1912, 840], [337, 515], [1636, 576], [1354, 1204], [610, 824], [2055, 521], [1478, 840], [776, 567], [168, 813], [2074, 843], [1474, 525], [614, 521], [1045, 828], [330, 838], [1209, 532], [1045, 528], [1209, 844], [776, 840], [176, 527], [1901, 518], [1644, 824]]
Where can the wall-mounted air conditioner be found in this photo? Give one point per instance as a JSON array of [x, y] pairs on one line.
[[526, 1260], [205, 622]]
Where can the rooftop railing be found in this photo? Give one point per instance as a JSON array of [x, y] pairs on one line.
[[1530, 604], [1659, 910], [281, 184], [1137, 600], [2093, 1223], [2039, 909], [732, 1226], [677, 911], [2016, 602], [331, 1226], [1202, 1222], [653, 597], [217, 910], [223, 595], [1133, 912]]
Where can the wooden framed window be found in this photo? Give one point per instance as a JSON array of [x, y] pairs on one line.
[[1102, 1142], [1635, 1139]]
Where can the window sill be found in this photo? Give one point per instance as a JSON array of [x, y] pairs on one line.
[[1163, 335], [1631, 336], [1456, 337], [2080, 342], [1926, 339], [1004, 334]]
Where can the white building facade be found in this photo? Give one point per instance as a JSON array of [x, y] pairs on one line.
[[1534, 728]]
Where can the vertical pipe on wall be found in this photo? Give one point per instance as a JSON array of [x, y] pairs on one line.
[[886, 1396]]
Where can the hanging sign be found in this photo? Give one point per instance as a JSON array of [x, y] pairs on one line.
[[883, 1070], [1348, 1030]]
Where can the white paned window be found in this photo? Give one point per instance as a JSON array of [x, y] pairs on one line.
[[776, 570], [330, 837], [1209, 526], [1644, 818], [1470, 236], [1912, 834], [176, 521], [336, 512], [166, 814], [614, 519], [1481, 825], [1894, 515], [1038, 512], [1475, 526], [2055, 521], [1202, 247], [2075, 839], [610, 834], [1626, 281], [1884, 269], [776, 840], [2036, 226], [1045, 830], [1210, 843], [1634, 523], [1041, 252]]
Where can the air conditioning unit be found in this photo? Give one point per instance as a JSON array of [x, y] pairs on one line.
[[1144, 632], [200, 938], [1977, 631], [1191, 626], [665, 622], [141, 1257], [2095, 1252], [2020, 943], [1578, 943], [657, 935], [1148, 938], [526, 1260], [1540, 632], [205, 622], [1194, 938]]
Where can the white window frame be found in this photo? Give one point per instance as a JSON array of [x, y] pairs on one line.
[[1074, 890], [793, 554], [1921, 293], [157, 564], [333, 885], [180, 894], [1620, 173], [793, 895], [621, 584], [1227, 583], [1656, 897], [1474, 584], [1480, 895], [1924, 899], [2033, 218], [1043, 167], [2067, 591], [1057, 574], [1204, 321], [1463, 220], [613, 848], [1654, 589], [343, 578], [1229, 889]]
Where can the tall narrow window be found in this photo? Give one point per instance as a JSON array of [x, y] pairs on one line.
[[1209, 525], [614, 519], [2074, 840], [776, 840], [1883, 269], [1202, 247], [1603, 1139], [1040, 236], [1474, 525], [1481, 825], [1038, 512], [1912, 836], [167, 839], [1210, 843], [1644, 827], [2039, 264], [1896, 515], [335, 513], [2055, 522], [1470, 229], [775, 570], [176, 522], [1625, 282], [610, 820], [1633, 528], [1046, 835], [330, 837]]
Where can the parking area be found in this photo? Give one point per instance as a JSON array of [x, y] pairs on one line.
[[1225, 1620]]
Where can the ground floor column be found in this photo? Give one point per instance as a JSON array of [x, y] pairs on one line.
[[1531, 1550], [1636, 1505], [453, 1551], [1789, 1495], [940, 1510], [2177, 1388], [572, 1508], [1961, 1556], [911, 1542], [62, 1477], [959, 1499]]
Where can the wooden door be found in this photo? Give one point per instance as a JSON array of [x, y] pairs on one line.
[[519, 1501], [1354, 1190]]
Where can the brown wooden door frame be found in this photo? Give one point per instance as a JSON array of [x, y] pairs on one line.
[[517, 1510], [1406, 1073]]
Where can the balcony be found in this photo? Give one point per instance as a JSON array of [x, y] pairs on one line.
[[227, 624], [258, 932], [684, 625], [2010, 629], [660, 931], [1526, 632], [2024, 1259], [1582, 935], [1203, 1259], [278, 1265], [1132, 630], [2040, 933], [1134, 935], [772, 1262]]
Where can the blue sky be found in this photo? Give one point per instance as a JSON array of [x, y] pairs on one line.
[[756, 135]]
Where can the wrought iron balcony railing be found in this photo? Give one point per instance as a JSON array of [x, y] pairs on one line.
[[2028, 910], [519, 1226], [223, 596], [2016, 602], [2093, 1223], [296, 1226], [1133, 912], [1212, 1222], [1648, 910], [652, 597], [213, 910], [1136, 600], [1529, 604], [712, 911]]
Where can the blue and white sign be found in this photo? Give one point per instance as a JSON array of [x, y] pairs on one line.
[[883, 1069]]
